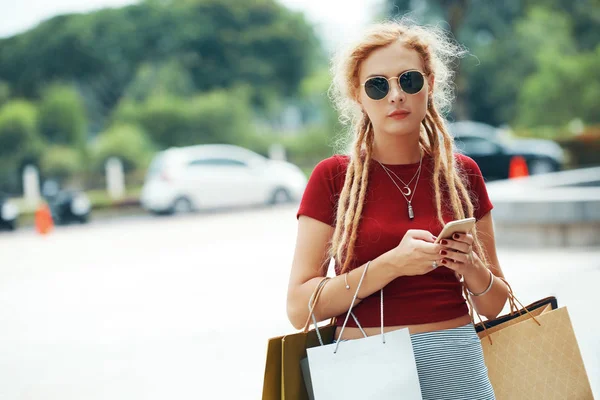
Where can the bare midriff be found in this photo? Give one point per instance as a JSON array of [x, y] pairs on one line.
[[355, 333]]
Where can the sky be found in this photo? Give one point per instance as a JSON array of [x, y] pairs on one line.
[[336, 21]]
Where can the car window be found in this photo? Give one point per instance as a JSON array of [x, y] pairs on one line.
[[476, 146], [156, 165], [217, 162]]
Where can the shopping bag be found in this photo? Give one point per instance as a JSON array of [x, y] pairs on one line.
[[532, 353], [283, 378], [381, 367]]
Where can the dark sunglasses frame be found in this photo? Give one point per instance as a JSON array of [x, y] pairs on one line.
[[387, 83]]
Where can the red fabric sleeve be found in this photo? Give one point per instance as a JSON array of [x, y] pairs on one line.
[[479, 195], [320, 197]]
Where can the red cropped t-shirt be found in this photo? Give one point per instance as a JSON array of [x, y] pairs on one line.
[[408, 300]]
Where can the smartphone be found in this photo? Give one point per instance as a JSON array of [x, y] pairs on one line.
[[458, 226]]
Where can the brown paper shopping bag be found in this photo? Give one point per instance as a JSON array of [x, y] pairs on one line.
[[283, 373], [532, 353]]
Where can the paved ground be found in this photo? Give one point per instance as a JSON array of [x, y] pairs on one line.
[[181, 308]]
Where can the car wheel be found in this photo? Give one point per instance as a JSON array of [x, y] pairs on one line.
[[538, 167], [182, 206], [280, 196]]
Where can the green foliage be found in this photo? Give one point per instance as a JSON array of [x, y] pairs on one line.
[[309, 147], [160, 79], [215, 117], [126, 142], [4, 92], [220, 44], [523, 48], [314, 93], [221, 116], [18, 130], [19, 142], [165, 119], [62, 117], [60, 162], [566, 81]]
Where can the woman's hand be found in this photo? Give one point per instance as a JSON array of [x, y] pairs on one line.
[[415, 255], [457, 254]]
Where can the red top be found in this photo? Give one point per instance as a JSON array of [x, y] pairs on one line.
[[408, 300]]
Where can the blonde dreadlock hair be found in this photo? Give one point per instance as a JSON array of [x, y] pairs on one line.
[[437, 52]]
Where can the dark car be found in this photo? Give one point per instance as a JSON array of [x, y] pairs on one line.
[[66, 205], [494, 152], [9, 213]]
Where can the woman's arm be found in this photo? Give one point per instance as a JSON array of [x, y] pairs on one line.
[[478, 278], [414, 255], [310, 264]]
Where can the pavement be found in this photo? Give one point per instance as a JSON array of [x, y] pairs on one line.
[[182, 307]]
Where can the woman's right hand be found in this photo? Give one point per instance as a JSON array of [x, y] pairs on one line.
[[415, 254]]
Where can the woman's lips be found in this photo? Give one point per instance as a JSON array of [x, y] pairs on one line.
[[398, 115]]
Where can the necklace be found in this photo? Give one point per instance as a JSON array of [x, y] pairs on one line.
[[406, 185], [411, 213]]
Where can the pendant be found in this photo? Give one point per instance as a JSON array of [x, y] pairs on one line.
[[409, 191], [411, 214]]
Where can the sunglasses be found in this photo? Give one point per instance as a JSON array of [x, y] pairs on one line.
[[411, 82]]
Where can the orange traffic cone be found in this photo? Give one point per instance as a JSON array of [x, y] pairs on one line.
[[43, 220], [517, 167]]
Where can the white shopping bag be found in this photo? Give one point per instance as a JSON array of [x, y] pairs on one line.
[[380, 367]]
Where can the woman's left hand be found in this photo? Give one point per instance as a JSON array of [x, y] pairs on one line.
[[457, 254]]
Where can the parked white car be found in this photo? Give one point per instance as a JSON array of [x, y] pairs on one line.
[[218, 176]]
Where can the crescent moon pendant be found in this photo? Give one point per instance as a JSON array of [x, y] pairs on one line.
[[408, 189]]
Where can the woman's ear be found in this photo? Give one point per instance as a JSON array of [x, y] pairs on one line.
[[430, 82]]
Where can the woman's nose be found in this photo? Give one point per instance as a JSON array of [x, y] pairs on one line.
[[396, 94]]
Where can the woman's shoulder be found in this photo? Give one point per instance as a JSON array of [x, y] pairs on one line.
[[332, 166], [467, 164]]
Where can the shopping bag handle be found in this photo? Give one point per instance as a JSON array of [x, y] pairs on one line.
[[512, 299], [312, 302], [352, 306]]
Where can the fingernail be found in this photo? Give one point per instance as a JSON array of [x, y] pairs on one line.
[[444, 242], [456, 236], [443, 261], [443, 252]]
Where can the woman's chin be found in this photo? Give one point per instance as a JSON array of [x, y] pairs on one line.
[[401, 128]]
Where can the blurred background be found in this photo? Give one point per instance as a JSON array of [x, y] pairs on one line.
[[131, 79], [152, 154]]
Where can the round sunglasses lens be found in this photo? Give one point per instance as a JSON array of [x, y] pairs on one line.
[[377, 88], [411, 82]]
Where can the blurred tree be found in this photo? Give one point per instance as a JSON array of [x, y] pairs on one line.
[[61, 162], [566, 82], [491, 82], [18, 128], [4, 92], [62, 117], [308, 148], [127, 142], [221, 43], [222, 116], [19, 142], [168, 79], [314, 92], [165, 119]]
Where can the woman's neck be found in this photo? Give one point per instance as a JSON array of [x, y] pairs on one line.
[[396, 150]]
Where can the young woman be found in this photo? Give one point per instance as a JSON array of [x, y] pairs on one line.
[[381, 207]]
